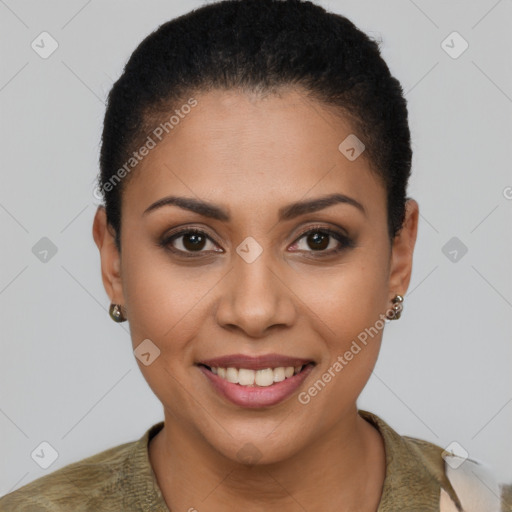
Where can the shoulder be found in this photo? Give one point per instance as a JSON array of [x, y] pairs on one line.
[[86, 482], [423, 473], [506, 497], [466, 484]]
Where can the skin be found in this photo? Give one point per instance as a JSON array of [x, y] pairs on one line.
[[253, 155]]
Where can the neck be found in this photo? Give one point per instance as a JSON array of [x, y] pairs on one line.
[[342, 470]]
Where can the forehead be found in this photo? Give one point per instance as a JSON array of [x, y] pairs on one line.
[[234, 147]]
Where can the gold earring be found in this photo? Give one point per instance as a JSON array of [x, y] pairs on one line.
[[116, 313], [396, 309]]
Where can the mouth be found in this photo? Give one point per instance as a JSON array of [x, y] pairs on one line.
[[255, 382], [248, 377]]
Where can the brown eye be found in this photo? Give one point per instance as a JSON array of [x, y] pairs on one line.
[[193, 241], [318, 241], [323, 241], [189, 241]]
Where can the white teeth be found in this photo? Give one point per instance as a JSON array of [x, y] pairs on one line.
[[279, 374], [262, 378], [232, 375], [289, 371], [246, 377]]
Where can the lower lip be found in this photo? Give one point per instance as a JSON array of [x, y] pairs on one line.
[[257, 396]]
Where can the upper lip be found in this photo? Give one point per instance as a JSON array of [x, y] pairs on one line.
[[254, 362]]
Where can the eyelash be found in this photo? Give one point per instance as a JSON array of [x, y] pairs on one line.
[[344, 241]]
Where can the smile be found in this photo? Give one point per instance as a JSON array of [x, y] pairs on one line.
[[261, 378], [256, 382]]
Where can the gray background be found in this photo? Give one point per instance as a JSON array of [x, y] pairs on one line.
[[67, 372]]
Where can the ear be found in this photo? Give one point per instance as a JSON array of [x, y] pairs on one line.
[[103, 235], [402, 251]]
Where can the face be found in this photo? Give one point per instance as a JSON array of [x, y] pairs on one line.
[[255, 278]]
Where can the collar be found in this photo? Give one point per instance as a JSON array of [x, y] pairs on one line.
[[414, 472], [138, 480]]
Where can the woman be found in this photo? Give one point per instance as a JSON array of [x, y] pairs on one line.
[[257, 236]]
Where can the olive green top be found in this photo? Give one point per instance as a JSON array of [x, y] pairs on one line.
[[122, 479]]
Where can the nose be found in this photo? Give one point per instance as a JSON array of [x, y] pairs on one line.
[[255, 297]]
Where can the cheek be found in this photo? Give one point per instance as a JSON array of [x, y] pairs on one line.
[[163, 303], [347, 299], [349, 309], [164, 300]]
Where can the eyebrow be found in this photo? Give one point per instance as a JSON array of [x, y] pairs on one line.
[[288, 212]]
